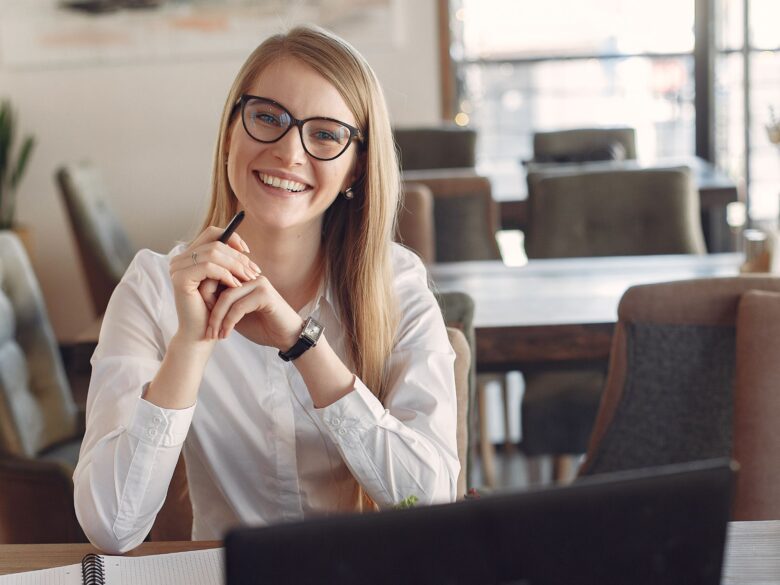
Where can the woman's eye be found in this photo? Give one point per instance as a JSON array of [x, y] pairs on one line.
[[325, 135], [265, 118]]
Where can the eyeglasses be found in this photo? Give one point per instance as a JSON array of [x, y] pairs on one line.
[[268, 121]]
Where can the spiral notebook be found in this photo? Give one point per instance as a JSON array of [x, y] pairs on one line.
[[200, 567]]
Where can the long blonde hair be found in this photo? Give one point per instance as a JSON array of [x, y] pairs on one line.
[[356, 233]]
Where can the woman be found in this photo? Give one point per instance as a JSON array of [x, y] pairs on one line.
[[305, 150]]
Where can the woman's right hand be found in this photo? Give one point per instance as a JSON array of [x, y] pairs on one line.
[[206, 259]]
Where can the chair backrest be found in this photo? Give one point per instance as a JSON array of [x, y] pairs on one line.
[[465, 216], [670, 386], [104, 247], [585, 144], [415, 227], [36, 406], [439, 147], [580, 212], [757, 407], [36, 503], [462, 370]]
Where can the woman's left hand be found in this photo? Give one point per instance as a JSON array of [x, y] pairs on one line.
[[258, 312]]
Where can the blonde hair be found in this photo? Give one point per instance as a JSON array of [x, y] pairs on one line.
[[357, 233]]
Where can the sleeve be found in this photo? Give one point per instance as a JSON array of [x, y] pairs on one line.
[[131, 446], [406, 447]]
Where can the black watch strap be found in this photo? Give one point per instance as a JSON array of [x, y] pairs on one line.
[[308, 339]]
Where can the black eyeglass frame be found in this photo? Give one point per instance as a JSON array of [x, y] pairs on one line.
[[354, 133]]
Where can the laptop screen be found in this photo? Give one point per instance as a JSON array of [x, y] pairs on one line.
[[664, 525]]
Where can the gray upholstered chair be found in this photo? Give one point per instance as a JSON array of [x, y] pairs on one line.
[[593, 211], [685, 384], [104, 247], [437, 147], [40, 425], [465, 216], [584, 144], [415, 228]]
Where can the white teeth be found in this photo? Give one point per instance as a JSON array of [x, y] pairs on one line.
[[286, 184]]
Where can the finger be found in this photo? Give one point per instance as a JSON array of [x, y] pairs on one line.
[[237, 242], [225, 301], [237, 262], [192, 276], [209, 290]]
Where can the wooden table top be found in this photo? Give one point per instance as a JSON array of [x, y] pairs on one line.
[[15, 558], [560, 310], [752, 554]]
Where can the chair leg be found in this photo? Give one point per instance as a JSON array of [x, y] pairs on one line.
[[564, 468], [487, 452], [509, 446]]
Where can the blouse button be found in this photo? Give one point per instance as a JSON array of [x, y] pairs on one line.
[[151, 432], [342, 431], [335, 421]]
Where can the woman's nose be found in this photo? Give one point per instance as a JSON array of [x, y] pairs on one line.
[[289, 149]]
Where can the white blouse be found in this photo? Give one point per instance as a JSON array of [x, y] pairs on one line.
[[257, 451]]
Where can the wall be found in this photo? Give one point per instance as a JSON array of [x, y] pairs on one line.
[[150, 127]]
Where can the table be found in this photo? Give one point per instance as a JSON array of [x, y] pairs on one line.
[[752, 554], [562, 311], [510, 190]]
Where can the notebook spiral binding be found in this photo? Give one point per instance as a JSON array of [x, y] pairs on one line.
[[93, 570]]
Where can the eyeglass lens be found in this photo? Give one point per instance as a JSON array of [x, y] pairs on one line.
[[321, 138]]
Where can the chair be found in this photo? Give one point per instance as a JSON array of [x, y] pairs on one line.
[[757, 407], [584, 144], [671, 395], [585, 212], [415, 221], [103, 244], [40, 425], [36, 503], [439, 147], [465, 216], [592, 211]]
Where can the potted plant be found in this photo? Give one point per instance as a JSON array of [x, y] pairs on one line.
[[13, 163]]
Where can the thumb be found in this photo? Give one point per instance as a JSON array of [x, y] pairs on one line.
[[209, 292]]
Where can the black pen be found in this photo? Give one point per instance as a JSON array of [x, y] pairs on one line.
[[231, 227]]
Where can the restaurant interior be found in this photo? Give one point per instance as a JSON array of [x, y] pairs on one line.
[[593, 186]]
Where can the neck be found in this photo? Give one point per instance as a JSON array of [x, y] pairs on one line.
[[292, 260]]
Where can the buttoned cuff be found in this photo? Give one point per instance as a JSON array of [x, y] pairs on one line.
[[352, 414], [165, 427]]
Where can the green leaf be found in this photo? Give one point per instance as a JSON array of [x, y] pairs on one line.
[[406, 503], [21, 162]]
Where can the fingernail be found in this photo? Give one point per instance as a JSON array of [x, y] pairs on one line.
[[222, 333], [255, 267], [246, 248]]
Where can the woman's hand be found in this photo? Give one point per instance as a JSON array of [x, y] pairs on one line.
[[206, 261], [258, 312]]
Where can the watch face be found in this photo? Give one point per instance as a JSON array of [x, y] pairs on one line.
[[312, 329]]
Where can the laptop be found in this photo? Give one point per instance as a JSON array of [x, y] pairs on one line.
[[659, 526]]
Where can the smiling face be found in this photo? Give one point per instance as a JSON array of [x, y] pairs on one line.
[[280, 186]]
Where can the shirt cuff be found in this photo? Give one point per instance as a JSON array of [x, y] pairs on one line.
[[165, 427], [352, 414]]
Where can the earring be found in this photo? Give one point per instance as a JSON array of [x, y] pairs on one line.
[[348, 193]]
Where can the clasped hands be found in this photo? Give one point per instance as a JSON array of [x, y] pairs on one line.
[[218, 288]]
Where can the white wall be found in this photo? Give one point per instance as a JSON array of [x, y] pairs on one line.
[[150, 128]]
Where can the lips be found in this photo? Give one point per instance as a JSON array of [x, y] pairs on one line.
[[285, 184]]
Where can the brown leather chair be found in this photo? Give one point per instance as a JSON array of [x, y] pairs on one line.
[[40, 425], [104, 247], [757, 407], [693, 375], [585, 144], [436, 147], [465, 215], [415, 221]]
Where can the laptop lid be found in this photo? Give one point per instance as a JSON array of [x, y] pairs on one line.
[[664, 525]]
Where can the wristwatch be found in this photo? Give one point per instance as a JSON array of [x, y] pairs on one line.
[[308, 339]]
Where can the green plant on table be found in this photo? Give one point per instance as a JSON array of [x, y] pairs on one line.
[[11, 167]]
